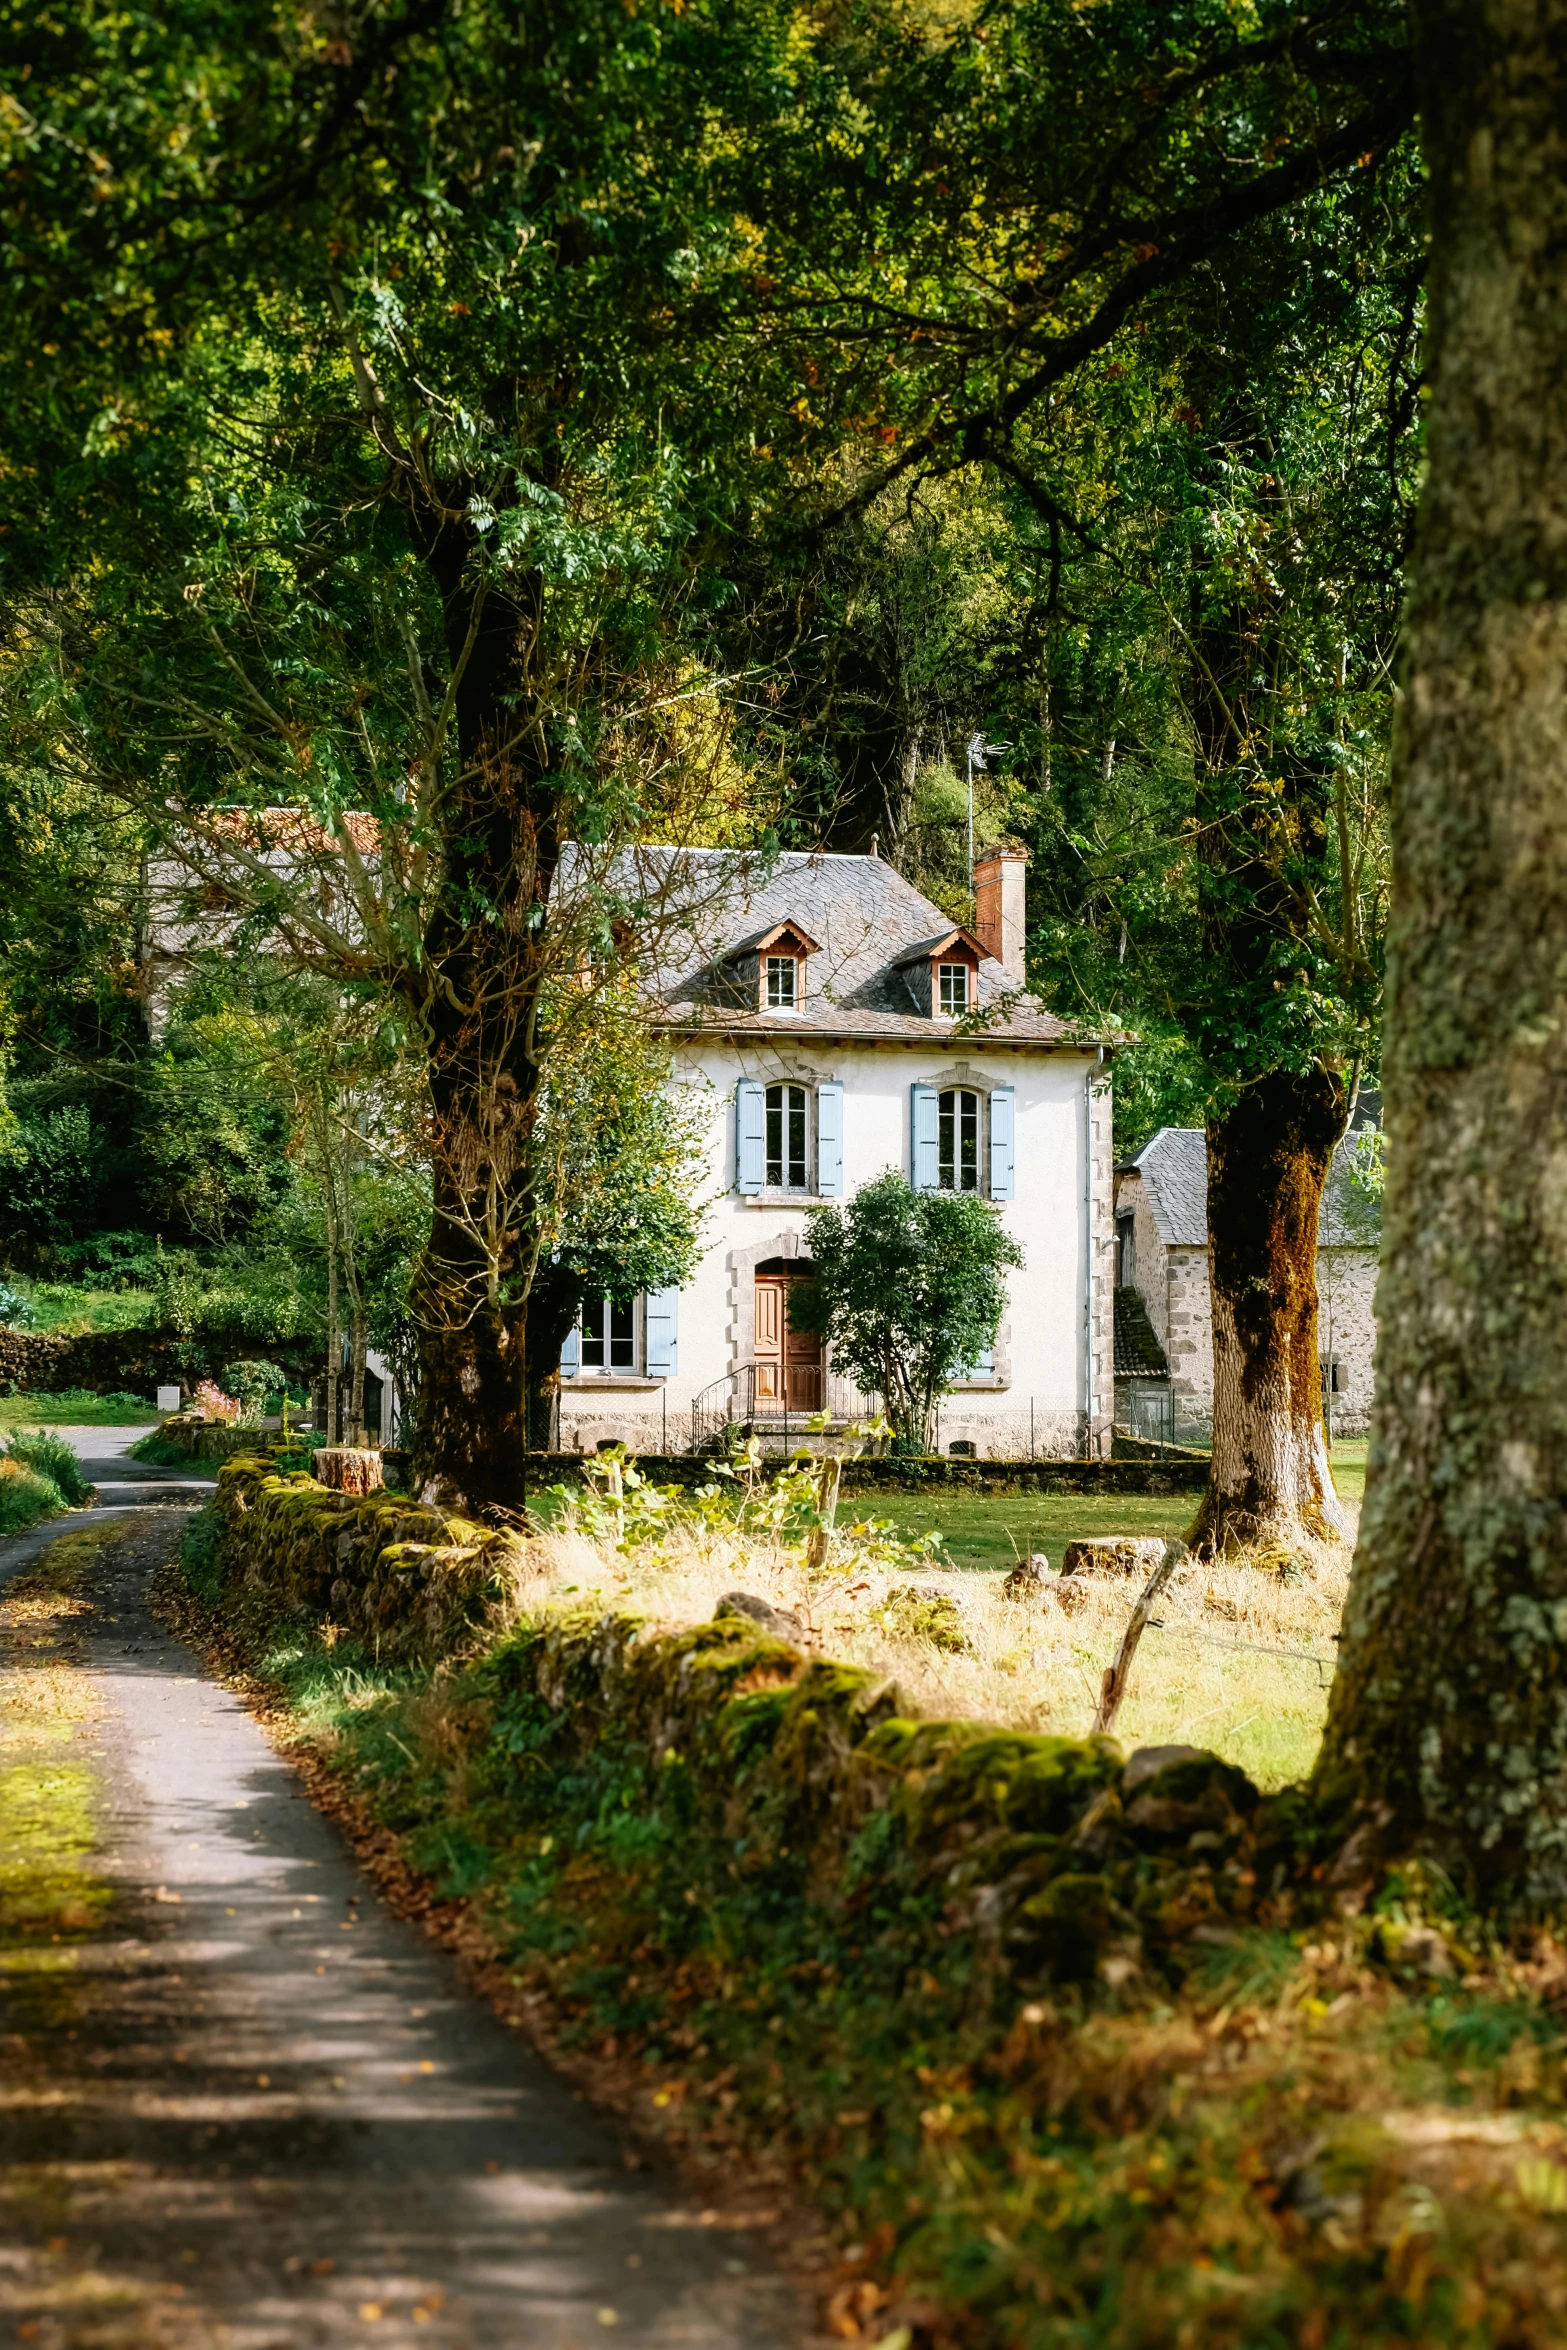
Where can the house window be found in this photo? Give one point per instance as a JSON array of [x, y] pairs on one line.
[[609, 1335], [781, 996], [957, 1140], [787, 1138], [952, 988]]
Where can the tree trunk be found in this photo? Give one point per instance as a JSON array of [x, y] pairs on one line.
[[1268, 1159], [358, 1339], [334, 1331], [484, 964], [1447, 1730]]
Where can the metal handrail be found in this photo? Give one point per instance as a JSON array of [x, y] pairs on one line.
[[732, 1403]]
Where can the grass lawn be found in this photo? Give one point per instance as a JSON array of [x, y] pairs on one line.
[[75, 1408], [992, 1531], [62, 1310]]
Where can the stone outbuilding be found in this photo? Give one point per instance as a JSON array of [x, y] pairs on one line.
[[1163, 1307]]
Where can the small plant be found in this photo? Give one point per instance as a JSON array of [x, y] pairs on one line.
[[49, 1456], [210, 1398], [16, 1311]]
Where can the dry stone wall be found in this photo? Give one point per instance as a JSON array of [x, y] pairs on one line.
[[1064, 1858]]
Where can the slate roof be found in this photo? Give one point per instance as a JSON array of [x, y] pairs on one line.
[[1174, 1169], [709, 903]]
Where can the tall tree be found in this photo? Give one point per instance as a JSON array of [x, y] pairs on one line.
[[1446, 1729], [370, 403]]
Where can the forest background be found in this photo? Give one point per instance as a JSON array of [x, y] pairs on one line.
[[667, 423]]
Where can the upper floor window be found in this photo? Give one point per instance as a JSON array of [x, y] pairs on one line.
[[788, 1138], [782, 973], [957, 1140], [609, 1334], [952, 985]]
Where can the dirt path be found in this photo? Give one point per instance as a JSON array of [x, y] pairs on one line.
[[240, 2102]]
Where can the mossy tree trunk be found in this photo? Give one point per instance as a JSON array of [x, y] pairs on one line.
[[1447, 1728], [1268, 1159], [481, 978]]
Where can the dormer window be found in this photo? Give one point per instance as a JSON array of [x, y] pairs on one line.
[[943, 973], [769, 968]]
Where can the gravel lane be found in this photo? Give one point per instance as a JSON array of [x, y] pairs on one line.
[[240, 2102]]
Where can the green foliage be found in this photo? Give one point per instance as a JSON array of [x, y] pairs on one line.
[[200, 1544], [746, 1498], [25, 1498], [16, 1308], [51, 1457], [76, 1407], [908, 1293], [55, 1185], [252, 1384]]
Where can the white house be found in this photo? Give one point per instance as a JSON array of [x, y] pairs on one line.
[[836, 1024]]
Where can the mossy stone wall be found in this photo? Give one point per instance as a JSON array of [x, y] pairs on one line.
[[1060, 1855]]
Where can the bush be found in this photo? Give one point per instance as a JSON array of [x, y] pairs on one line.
[[49, 1456], [15, 1309], [252, 1384], [25, 1497]]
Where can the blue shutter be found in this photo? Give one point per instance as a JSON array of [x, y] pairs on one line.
[[923, 1170], [750, 1135], [663, 1332], [1001, 1153], [829, 1140], [569, 1355]]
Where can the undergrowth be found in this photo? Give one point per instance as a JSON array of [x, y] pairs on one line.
[[26, 1498], [50, 1457], [1294, 2131]]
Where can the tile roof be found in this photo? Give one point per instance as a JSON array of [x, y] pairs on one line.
[[1174, 1168], [711, 902]]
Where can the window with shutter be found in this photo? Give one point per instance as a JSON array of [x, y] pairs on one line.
[[788, 1156], [957, 1140]]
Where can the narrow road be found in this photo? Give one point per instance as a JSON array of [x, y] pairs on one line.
[[240, 2102]]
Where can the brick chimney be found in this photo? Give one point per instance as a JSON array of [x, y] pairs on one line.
[[998, 908]]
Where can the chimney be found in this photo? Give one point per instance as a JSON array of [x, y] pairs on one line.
[[998, 908]]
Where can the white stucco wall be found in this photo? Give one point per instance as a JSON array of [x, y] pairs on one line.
[[1054, 1351]]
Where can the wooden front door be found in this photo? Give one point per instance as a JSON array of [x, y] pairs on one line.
[[788, 1362]]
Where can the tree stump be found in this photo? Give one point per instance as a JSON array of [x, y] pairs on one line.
[[347, 1470], [1114, 1554]]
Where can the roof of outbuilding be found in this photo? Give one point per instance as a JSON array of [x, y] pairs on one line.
[[868, 918], [1174, 1169]]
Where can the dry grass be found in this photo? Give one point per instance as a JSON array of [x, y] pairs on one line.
[[1199, 1678]]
